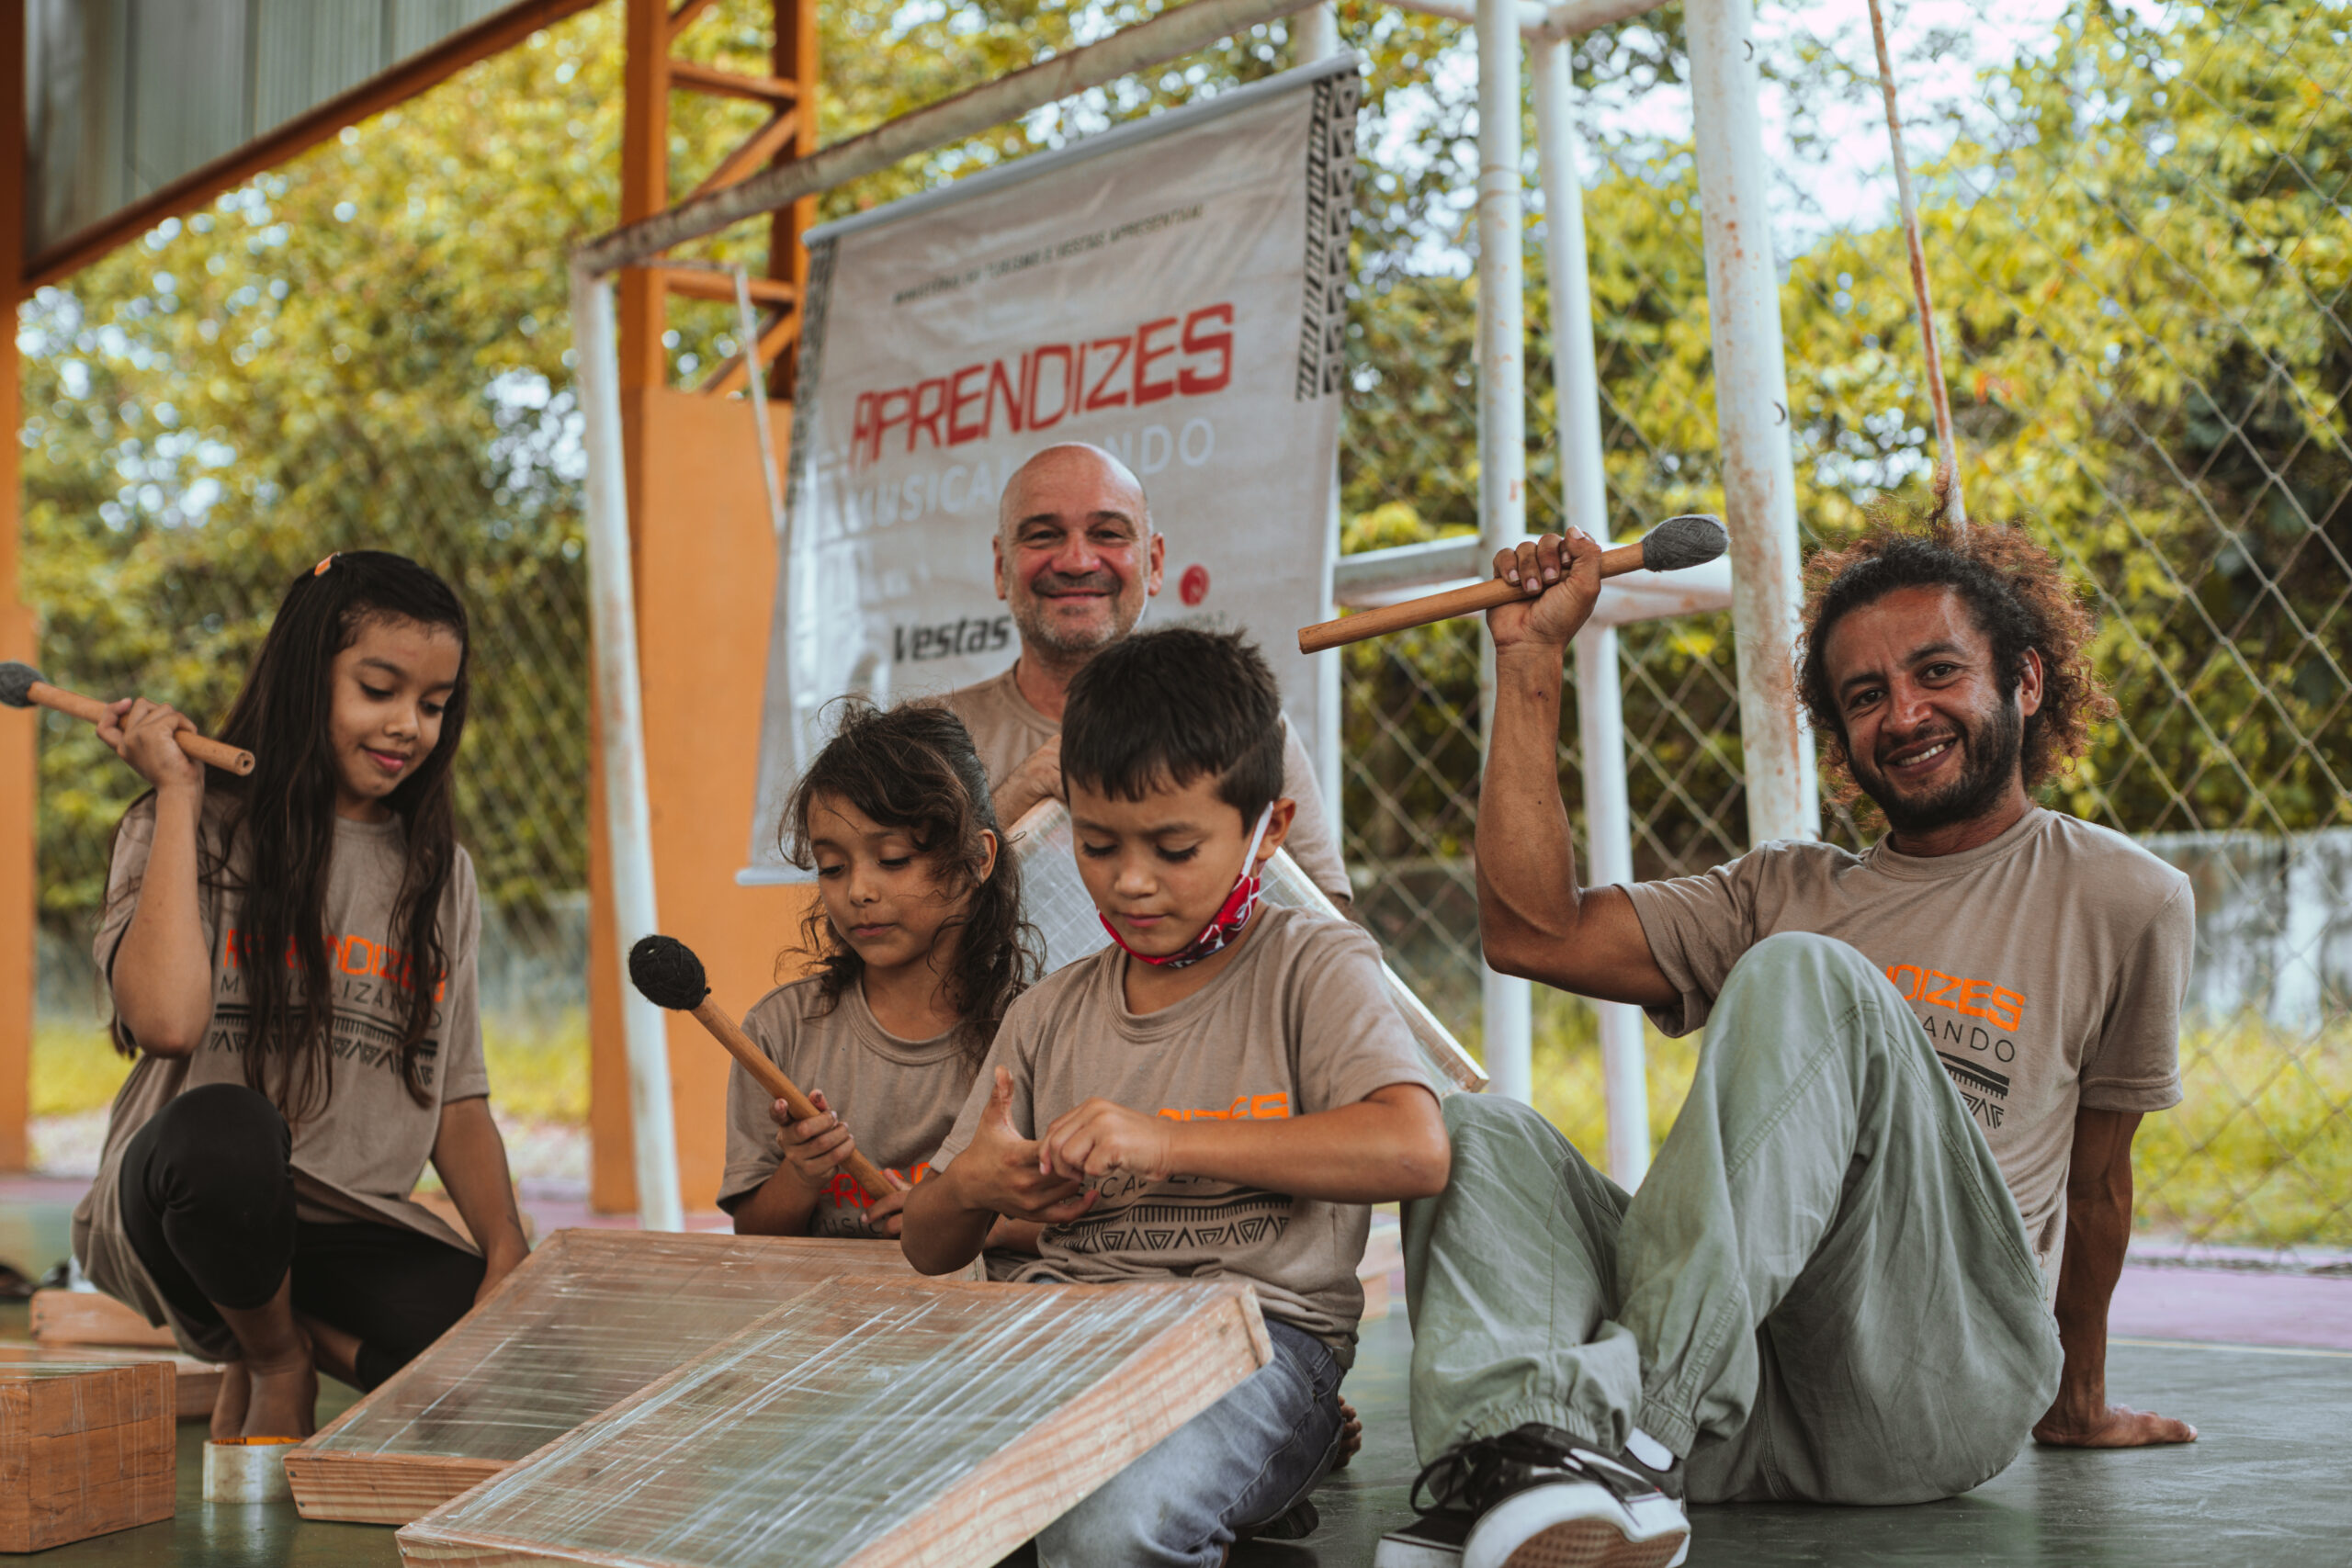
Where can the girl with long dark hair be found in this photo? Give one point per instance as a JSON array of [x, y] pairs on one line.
[[919, 947], [291, 960]]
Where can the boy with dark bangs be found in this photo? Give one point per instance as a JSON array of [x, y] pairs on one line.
[[1235, 1075]]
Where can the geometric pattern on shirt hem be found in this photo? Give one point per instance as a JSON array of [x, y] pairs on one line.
[[1169, 1224]]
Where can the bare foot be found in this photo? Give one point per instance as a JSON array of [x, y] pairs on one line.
[[228, 1404], [285, 1400], [1350, 1435], [2111, 1426]]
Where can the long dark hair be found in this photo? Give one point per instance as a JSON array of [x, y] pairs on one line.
[[284, 813], [914, 767]]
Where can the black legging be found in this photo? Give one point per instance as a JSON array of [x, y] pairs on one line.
[[207, 1201]]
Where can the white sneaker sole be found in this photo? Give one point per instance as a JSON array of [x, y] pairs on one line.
[[1607, 1535]]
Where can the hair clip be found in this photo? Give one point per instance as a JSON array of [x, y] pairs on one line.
[[321, 569]]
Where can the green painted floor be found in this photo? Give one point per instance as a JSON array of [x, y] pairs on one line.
[[2269, 1482]]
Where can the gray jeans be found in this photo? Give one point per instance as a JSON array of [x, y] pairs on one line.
[[1822, 1292], [1241, 1462]]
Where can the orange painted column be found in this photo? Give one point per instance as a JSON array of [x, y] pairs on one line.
[[706, 577], [19, 732]]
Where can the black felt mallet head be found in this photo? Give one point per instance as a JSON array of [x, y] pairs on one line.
[[1680, 542], [22, 686], [17, 682], [670, 975], [667, 972]]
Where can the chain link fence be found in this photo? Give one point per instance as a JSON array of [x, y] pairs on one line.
[[2134, 221]]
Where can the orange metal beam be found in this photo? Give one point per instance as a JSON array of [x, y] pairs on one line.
[[681, 18], [779, 334], [698, 283], [795, 60], [19, 743], [489, 36], [645, 185], [700, 78], [757, 150]]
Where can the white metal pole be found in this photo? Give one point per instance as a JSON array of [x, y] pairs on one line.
[[1609, 858], [1507, 1015], [1751, 417], [1584, 502], [629, 822], [1316, 33]]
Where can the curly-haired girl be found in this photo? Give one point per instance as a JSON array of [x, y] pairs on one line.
[[919, 947]]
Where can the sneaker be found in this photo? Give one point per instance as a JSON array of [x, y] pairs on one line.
[[1537, 1499], [1433, 1540]]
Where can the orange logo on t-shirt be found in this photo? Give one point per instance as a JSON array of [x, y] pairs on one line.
[[843, 1192], [351, 955], [1245, 1108], [1996, 1005]]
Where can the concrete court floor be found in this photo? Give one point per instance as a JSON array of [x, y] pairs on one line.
[[2269, 1481]]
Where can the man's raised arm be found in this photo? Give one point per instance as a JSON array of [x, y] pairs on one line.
[[1533, 920]]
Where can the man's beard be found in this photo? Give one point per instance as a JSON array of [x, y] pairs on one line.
[[1989, 754], [1031, 617]]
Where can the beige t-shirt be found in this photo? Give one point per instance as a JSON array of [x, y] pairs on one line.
[[898, 1097], [1298, 1023], [1006, 730], [358, 1159], [2047, 968]]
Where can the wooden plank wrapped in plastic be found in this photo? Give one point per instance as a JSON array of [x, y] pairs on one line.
[[1055, 899], [868, 1424], [589, 1318], [194, 1384]]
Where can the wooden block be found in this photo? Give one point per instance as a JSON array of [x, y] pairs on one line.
[[589, 1318], [86, 1448], [195, 1385], [868, 1424], [91, 1317]]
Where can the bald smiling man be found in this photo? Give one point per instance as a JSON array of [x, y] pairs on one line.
[[1076, 558]]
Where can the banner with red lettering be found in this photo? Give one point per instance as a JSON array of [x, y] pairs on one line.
[[1174, 291]]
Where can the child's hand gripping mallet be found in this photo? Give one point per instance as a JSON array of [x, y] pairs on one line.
[[1678, 543], [22, 687], [670, 975]]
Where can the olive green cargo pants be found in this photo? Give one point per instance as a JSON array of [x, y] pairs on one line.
[[1822, 1292]]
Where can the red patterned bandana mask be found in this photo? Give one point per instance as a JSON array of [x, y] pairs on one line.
[[1231, 916]]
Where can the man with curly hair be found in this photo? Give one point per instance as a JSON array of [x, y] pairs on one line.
[[1877, 1248]]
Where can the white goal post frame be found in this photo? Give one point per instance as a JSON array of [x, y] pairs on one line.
[[1758, 582]]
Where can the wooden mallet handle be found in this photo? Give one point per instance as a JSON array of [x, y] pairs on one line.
[[771, 1077], [203, 748], [1677, 543]]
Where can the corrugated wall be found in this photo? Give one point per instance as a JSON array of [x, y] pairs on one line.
[[125, 95]]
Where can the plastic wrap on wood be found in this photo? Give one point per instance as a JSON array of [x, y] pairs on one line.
[[589, 1318], [870, 1422], [194, 1384], [1056, 901], [85, 1449]]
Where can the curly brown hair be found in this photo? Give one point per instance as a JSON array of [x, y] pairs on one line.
[[914, 767], [2020, 600]]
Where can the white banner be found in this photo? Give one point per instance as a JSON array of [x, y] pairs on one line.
[[1174, 291]]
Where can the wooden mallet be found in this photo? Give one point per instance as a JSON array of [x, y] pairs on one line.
[[1692, 539], [22, 687], [670, 975]]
